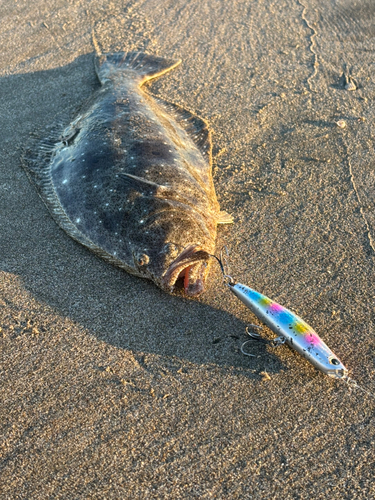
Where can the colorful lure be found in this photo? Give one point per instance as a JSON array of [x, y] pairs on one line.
[[291, 329]]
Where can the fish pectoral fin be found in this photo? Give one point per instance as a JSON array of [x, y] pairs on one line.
[[224, 218], [193, 125], [134, 179]]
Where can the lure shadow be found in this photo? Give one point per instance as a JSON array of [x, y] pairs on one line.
[[124, 311]]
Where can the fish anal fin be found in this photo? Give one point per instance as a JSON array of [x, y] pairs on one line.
[[132, 65], [194, 126], [224, 218]]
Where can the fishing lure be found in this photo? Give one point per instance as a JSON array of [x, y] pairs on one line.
[[289, 327]]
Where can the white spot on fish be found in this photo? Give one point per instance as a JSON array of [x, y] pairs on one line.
[[78, 220]]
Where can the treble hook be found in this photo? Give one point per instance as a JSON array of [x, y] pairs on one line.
[[256, 336]]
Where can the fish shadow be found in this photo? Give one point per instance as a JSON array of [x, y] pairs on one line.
[[124, 311]]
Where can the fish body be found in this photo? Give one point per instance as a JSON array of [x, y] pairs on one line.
[[130, 177], [297, 334]]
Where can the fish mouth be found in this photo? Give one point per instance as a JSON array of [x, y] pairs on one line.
[[191, 266]]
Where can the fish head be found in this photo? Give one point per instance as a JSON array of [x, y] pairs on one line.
[[192, 266], [173, 242], [169, 265]]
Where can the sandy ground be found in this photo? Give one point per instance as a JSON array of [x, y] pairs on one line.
[[110, 388]]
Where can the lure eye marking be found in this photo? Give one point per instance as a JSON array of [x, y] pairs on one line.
[[334, 361]]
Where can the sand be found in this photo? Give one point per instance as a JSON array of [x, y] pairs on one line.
[[111, 388]]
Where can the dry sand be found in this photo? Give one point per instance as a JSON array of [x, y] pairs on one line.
[[110, 388]]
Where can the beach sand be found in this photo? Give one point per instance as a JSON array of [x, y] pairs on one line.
[[111, 388]]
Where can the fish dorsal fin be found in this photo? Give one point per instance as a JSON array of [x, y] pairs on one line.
[[38, 151], [132, 65], [194, 126]]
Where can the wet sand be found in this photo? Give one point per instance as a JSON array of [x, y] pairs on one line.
[[111, 388]]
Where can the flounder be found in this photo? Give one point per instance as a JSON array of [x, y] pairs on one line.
[[130, 178]]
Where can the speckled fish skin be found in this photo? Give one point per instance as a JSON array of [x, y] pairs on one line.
[[298, 334], [130, 177]]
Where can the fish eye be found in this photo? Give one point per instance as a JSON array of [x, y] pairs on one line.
[[334, 361], [143, 259]]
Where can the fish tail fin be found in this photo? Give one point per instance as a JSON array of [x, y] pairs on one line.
[[132, 65]]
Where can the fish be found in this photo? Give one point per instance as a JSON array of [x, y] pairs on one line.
[[130, 178], [291, 329]]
